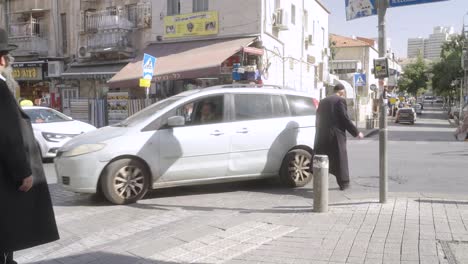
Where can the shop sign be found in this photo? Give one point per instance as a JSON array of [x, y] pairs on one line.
[[194, 24], [117, 107], [28, 71]]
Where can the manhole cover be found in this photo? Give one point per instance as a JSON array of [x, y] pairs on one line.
[[456, 252]]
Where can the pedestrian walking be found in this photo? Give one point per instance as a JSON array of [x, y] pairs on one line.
[[332, 123], [26, 214], [462, 129]]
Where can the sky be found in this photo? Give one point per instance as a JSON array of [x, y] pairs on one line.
[[402, 22]]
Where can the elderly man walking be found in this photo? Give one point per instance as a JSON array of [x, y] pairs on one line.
[[332, 123], [26, 214]]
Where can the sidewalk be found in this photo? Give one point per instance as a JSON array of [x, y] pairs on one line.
[[282, 230]]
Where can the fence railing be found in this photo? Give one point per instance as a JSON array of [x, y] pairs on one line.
[[96, 111]]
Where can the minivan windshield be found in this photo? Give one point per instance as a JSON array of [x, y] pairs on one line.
[[147, 112]]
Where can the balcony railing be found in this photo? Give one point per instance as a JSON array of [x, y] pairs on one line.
[[30, 37], [110, 41], [29, 45], [107, 20]]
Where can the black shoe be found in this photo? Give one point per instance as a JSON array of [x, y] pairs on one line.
[[344, 186]]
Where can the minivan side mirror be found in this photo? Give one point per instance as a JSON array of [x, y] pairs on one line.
[[176, 121]]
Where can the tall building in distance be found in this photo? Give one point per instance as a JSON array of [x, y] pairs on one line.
[[431, 47]]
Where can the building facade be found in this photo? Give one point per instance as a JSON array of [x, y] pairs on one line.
[[430, 48], [201, 42], [356, 55]]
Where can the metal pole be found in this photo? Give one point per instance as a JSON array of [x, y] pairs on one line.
[[461, 101], [383, 133], [320, 170]]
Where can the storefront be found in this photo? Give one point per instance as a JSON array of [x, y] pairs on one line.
[[189, 65], [31, 79]]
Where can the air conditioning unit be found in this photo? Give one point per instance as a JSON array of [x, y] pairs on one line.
[[54, 68], [310, 40], [280, 19], [83, 53]]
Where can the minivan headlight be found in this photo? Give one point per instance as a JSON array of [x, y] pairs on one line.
[[83, 149]]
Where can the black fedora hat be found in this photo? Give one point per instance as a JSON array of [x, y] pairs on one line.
[[4, 46]]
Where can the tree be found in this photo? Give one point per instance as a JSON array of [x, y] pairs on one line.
[[414, 78], [449, 67]]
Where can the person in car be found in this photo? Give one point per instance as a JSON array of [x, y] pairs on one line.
[[208, 113], [332, 123]]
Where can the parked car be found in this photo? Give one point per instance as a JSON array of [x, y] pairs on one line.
[[53, 129], [218, 134], [439, 99], [418, 109], [429, 99], [406, 115]]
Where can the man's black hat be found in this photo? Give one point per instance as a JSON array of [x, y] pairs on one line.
[[4, 45]]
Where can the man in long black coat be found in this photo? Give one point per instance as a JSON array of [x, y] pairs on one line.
[[332, 123], [26, 214]]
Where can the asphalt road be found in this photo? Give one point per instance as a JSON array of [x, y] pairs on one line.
[[423, 158]]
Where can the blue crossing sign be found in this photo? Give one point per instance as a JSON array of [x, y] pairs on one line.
[[148, 66], [359, 79]]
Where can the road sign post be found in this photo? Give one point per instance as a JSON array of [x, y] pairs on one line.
[[383, 133], [148, 71]]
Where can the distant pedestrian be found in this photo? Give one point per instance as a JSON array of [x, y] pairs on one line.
[[332, 123], [462, 129], [26, 214]]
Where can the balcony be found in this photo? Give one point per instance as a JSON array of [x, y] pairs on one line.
[[117, 40], [30, 38], [106, 20]]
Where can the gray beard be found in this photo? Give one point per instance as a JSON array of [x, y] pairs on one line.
[[10, 81]]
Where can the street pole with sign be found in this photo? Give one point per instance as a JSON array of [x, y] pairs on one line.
[[148, 71], [383, 133]]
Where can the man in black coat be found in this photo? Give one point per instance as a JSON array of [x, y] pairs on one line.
[[332, 123], [26, 214]]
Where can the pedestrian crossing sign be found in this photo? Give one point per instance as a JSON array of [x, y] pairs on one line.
[[148, 66], [359, 80]]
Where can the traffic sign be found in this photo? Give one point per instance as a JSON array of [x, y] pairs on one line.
[[398, 3], [359, 79], [381, 68], [145, 83], [373, 87], [364, 8], [148, 66]]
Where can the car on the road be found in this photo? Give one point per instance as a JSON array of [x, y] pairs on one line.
[[406, 115], [53, 129], [217, 134], [429, 99], [418, 108], [439, 99]]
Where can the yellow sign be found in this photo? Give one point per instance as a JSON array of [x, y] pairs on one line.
[[145, 83], [27, 73], [194, 24], [393, 100]]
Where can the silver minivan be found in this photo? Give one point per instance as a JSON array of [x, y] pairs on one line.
[[218, 134]]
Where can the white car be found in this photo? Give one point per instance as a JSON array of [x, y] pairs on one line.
[[53, 129], [218, 134]]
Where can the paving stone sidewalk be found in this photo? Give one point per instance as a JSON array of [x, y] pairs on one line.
[[256, 226]]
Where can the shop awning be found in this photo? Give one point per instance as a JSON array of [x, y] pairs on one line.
[[92, 71], [182, 60]]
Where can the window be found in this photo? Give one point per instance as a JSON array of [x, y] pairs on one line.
[[293, 14], [63, 23], [132, 14], [208, 110], [279, 108], [323, 37], [253, 106], [301, 106], [173, 7], [200, 5], [277, 4]]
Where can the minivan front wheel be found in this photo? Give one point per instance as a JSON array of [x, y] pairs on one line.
[[296, 170], [125, 181]]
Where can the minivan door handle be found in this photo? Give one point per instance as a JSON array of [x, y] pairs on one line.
[[243, 131], [217, 133]]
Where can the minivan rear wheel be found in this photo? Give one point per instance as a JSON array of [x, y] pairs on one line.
[[125, 181], [296, 170]]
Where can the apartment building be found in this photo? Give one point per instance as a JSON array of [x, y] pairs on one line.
[[201, 42], [431, 47]]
